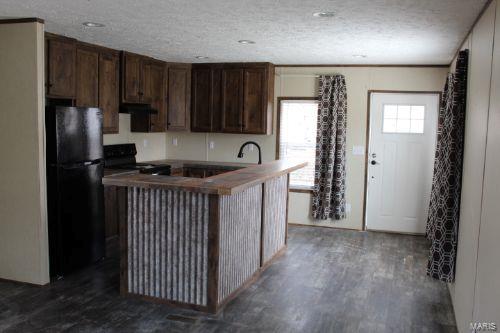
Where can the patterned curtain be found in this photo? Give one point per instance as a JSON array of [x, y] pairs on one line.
[[329, 176], [444, 208]]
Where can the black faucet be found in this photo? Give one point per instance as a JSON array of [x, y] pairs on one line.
[[240, 153]]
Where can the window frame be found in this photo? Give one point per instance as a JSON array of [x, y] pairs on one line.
[[297, 189]]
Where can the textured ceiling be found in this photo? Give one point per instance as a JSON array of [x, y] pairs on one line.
[[285, 32]]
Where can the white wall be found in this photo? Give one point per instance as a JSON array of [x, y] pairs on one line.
[[475, 293], [303, 82], [23, 216], [150, 146]]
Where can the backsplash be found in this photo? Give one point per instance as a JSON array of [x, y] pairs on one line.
[[150, 146]]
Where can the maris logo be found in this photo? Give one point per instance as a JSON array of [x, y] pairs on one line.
[[483, 327]]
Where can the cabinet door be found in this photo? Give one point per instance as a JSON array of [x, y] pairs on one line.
[[254, 101], [109, 101], [179, 86], [131, 76], [201, 101], [232, 100], [216, 100], [146, 92], [157, 121], [61, 59], [87, 77]]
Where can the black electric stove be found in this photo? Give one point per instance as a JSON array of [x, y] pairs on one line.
[[122, 156]]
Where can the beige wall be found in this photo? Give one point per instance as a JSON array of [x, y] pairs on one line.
[[487, 297], [303, 82], [23, 216], [150, 146], [476, 292]]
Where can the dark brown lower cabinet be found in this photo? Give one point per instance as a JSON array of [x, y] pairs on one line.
[[115, 203]]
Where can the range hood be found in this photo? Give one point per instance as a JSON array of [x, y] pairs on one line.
[[137, 109]]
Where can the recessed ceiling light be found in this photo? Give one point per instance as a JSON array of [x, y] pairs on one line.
[[359, 55], [201, 57], [324, 14], [93, 24], [246, 41]]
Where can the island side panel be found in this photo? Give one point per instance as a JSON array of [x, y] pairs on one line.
[[239, 240], [167, 245], [274, 222]]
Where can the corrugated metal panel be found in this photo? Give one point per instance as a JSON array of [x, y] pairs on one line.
[[239, 238], [168, 244], [274, 233]]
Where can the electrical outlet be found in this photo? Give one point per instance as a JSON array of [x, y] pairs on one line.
[[347, 207], [250, 147], [211, 145], [145, 143], [174, 141]]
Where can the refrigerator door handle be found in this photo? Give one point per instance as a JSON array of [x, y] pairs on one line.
[[87, 163], [80, 164]]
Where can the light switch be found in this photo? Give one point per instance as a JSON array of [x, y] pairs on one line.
[[347, 207], [174, 141], [211, 145], [145, 143], [358, 150]]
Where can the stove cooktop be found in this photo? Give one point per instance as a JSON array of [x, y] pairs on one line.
[[122, 156], [160, 169]]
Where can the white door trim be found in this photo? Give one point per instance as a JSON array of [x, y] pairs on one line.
[[367, 141]]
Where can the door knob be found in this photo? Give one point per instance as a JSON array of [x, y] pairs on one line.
[[373, 162]]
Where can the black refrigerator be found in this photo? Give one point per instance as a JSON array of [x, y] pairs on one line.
[[75, 198]]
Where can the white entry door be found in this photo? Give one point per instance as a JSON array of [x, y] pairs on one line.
[[403, 129]]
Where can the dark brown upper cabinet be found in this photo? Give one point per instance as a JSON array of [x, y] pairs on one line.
[[257, 114], [154, 84], [97, 82], [87, 77], [205, 98], [60, 67], [109, 90], [232, 98], [158, 91], [135, 73], [178, 85]]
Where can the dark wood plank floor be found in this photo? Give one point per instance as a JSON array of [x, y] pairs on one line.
[[328, 281]]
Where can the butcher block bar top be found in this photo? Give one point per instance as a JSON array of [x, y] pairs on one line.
[[232, 177]]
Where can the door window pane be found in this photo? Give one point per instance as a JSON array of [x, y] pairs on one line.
[[403, 119]]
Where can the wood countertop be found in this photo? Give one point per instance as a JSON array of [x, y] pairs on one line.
[[223, 184]]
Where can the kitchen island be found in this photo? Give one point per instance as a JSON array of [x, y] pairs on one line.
[[197, 241]]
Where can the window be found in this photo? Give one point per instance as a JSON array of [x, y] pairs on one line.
[[297, 138], [404, 119]]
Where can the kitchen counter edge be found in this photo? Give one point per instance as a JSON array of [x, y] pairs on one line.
[[224, 184]]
